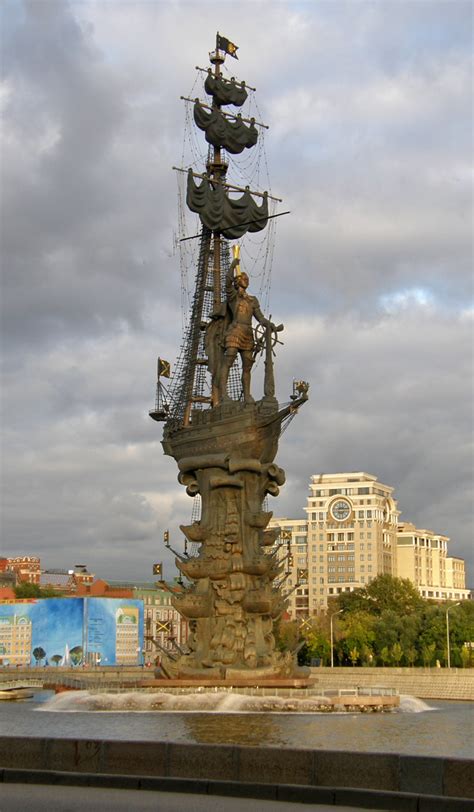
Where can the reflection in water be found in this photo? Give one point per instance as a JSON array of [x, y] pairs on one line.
[[252, 729]]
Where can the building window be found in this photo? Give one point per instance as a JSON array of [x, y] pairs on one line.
[[330, 536]]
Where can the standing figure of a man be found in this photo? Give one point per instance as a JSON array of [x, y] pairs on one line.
[[239, 335]]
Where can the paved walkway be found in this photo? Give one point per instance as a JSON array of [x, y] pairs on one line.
[[18, 797]]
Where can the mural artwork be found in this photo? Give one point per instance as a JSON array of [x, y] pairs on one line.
[[71, 632]]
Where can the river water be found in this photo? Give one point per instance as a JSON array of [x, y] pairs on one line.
[[435, 728]]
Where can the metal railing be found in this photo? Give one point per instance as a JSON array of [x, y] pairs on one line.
[[359, 691]]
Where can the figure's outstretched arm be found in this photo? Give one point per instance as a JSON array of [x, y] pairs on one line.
[[262, 319], [229, 279]]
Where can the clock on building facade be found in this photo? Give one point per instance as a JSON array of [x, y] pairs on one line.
[[340, 510]]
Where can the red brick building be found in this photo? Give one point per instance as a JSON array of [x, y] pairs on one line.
[[27, 568]]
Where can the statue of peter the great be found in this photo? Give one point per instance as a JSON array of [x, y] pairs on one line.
[[237, 335]]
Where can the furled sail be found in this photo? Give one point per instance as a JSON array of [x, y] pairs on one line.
[[225, 91], [231, 217], [234, 136]]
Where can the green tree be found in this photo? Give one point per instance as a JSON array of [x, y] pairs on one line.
[[432, 638], [28, 590], [355, 631], [384, 655], [354, 655], [318, 645], [76, 655], [411, 655], [383, 593], [367, 655], [387, 629], [396, 653], [461, 630], [466, 656], [428, 653], [56, 659], [39, 654], [287, 635]]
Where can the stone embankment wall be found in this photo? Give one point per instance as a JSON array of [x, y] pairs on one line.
[[389, 772], [425, 683]]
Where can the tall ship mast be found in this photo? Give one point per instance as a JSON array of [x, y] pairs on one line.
[[223, 440]]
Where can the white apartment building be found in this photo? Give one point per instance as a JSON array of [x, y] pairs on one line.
[[349, 537], [423, 558]]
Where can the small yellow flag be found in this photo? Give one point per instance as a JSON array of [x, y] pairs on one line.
[[164, 368]]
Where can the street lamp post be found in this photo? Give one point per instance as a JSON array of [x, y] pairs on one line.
[[332, 637], [448, 648]]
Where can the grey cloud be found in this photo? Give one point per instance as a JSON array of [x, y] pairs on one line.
[[369, 144]]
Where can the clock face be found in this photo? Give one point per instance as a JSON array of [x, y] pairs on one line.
[[340, 510]]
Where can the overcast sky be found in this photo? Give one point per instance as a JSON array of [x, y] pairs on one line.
[[370, 145]]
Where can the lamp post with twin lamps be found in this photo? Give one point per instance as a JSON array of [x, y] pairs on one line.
[[332, 637], [448, 649]]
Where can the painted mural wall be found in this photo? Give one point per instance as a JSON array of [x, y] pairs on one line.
[[71, 631]]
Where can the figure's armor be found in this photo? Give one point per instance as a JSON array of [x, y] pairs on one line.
[[240, 334]]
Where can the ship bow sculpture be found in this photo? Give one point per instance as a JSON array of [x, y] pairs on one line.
[[223, 440]]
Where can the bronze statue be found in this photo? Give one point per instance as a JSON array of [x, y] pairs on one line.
[[239, 337], [225, 447]]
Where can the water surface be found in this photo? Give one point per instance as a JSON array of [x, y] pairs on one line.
[[437, 728]]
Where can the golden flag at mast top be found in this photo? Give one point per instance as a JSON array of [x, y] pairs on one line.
[[224, 44]]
